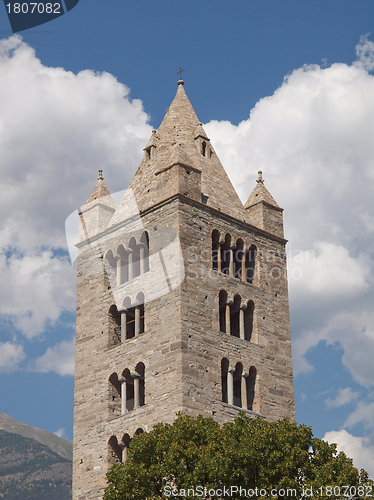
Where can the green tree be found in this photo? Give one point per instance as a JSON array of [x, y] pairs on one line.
[[266, 459]]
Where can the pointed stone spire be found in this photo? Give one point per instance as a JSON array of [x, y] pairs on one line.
[[181, 140], [260, 193], [263, 211], [100, 189], [97, 211]]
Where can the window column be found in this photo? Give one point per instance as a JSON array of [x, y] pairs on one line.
[[122, 380], [137, 320], [131, 266], [123, 324], [244, 278], [241, 321], [219, 260], [142, 259], [231, 262], [136, 377], [230, 386], [244, 390], [119, 271], [228, 305]]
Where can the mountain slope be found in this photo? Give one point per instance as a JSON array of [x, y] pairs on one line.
[[29, 470], [55, 443], [34, 464]]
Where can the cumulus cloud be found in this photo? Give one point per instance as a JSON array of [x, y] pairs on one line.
[[61, 433], [11, 355], [57, 129], [359, 449], [58, 359], [344, 396], [364, 413], [313, 141], [38, 287], [329, 272]]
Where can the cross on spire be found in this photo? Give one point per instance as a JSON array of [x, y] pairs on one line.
[[180, 73]]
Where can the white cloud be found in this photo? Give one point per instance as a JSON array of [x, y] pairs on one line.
[[331, 273], [36, 289], [360, 449], [344, 396], [56, 130], [61, 433], [59, 359], [364, 413], [11, 355]]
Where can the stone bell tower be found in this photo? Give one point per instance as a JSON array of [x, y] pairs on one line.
[[182, 301]]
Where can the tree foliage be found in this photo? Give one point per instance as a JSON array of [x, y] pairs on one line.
[[266, 459]]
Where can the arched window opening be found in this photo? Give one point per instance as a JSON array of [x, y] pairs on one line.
[[248, 320], [222, 311], [238, 256], [224, 370], [129, 390], [123, 266], [250, 386], [130, 323], [234, 316], [114, 396], [139, 317], [203, 148], [139, 431], [135, 259], [215, 250], [134, 316], [125, 443], [144, 253], [114, 451], [250, 262], [226, 254], [110, 266], [139, 385], [237, 379], [114, 319]]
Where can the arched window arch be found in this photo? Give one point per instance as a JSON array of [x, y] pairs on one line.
[[125, 443], [216, 261], [238, 255], [224, 371], [222, 311], [234, 316], [139, 385], [110, 265], [248, 320], [226, 254], [144, 253], [114, 326], [250, 386], [114, 451], [237, 384], [123, 267], [114, 390], [128, 391], [139, 431], [250, 263], [134, 259], [133, 317]]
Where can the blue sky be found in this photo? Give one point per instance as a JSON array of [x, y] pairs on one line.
[[285, 86]]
